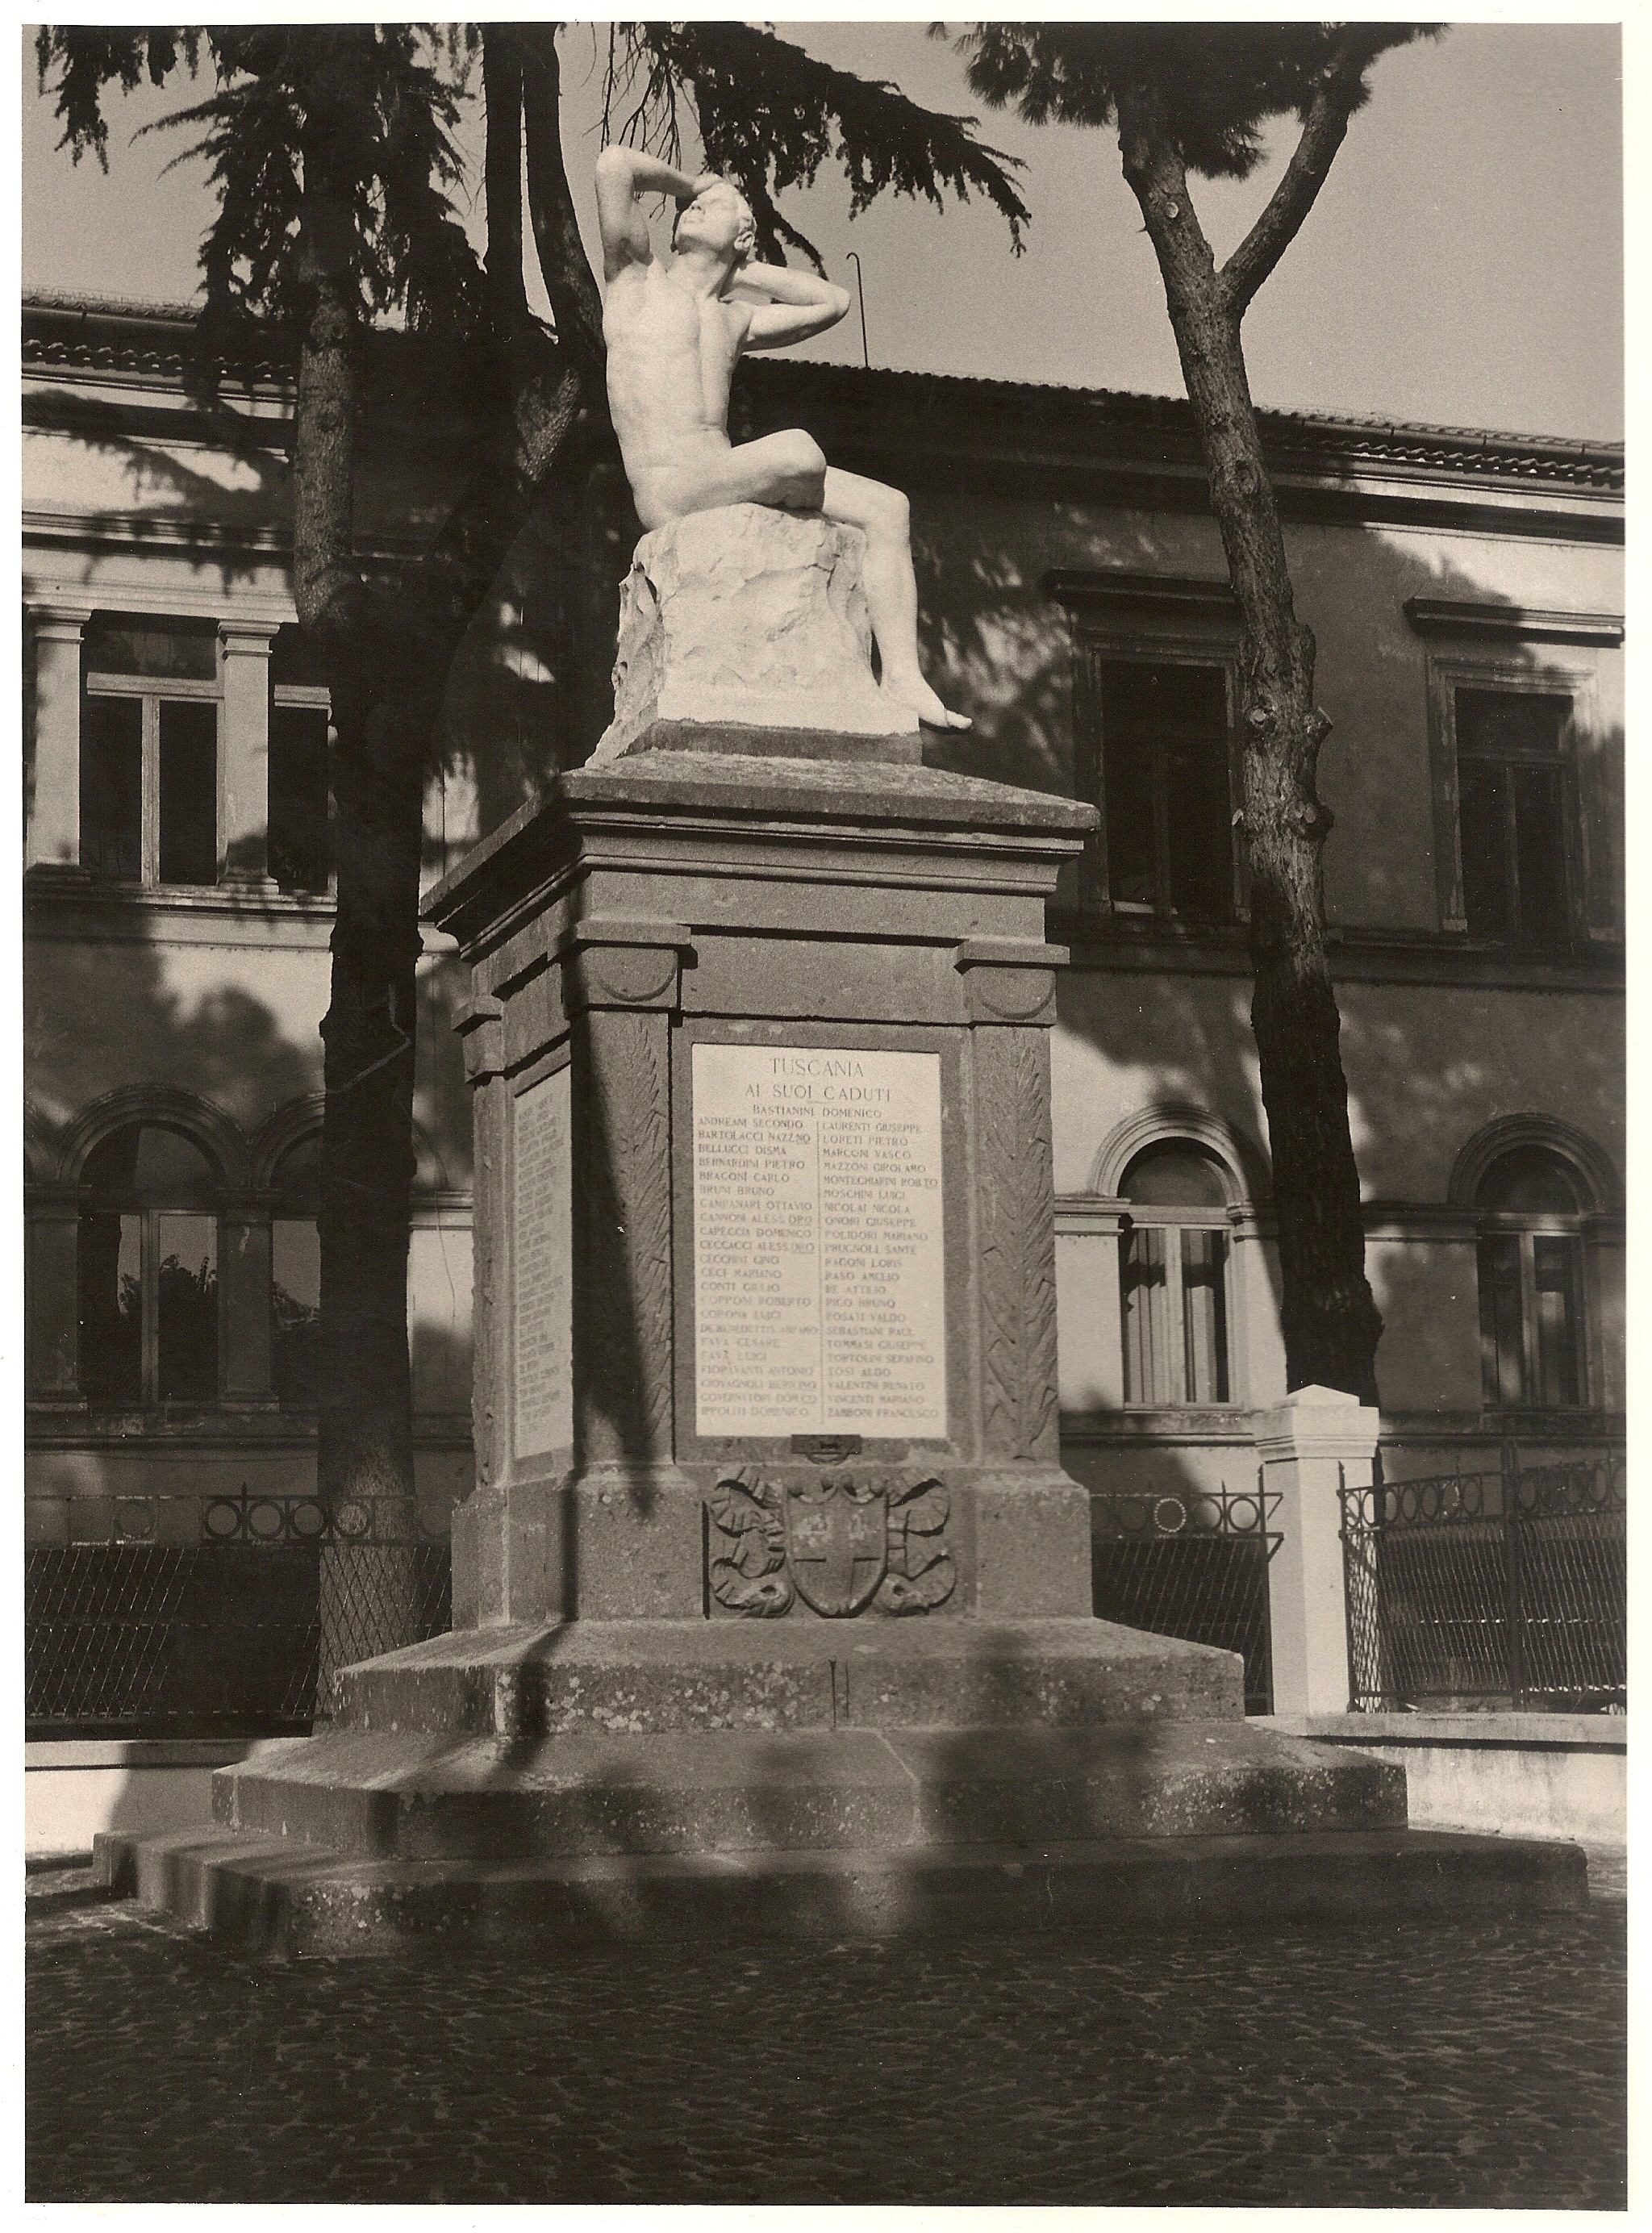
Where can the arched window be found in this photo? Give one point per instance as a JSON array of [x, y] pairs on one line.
[[1172, 1270], [148, 1270], [295, 1273], [1531, 1202]]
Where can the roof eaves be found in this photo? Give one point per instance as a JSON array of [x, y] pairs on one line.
[[1373, 440]]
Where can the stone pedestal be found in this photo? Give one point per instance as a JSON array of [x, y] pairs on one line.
[[765, 1248], [773, 1603]]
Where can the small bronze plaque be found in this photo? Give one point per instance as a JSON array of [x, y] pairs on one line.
[[825, 1449]]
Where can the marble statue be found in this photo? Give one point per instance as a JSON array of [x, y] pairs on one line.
[[674, 334]]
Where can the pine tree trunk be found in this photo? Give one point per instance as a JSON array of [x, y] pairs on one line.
[[365, 1457], [1330, 1321], [1331, 1324], [384, 662], [364, 1423]]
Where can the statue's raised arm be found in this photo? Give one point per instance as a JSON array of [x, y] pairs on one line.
[[623, 176], [792, 306], [674, 334]]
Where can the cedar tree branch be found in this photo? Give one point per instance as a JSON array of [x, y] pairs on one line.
[[1335, 98]]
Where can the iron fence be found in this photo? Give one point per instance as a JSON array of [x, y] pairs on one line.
[[1489, 1588], [223, 1636], [1192, 1564]]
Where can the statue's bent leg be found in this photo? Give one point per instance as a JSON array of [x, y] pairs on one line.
[[884, 517], [785, 471]]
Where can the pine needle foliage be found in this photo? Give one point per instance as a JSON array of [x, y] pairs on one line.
[[391, 97], [89, 59], [1217, 86], [770, 115]]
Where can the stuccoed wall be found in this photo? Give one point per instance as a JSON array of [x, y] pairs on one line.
[[232, 1016], [134, 515], [1429, 1064], [1351, 586], [1428, 1067], [998, 646]]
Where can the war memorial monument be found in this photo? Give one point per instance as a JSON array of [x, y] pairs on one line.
[[773, 1603]]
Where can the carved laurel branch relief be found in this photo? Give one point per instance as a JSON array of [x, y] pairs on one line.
[[1017, 1265], [841, 1542], [631, 1190], [490, 1119]]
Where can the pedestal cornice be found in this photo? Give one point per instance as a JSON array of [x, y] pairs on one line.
[[802, 820]]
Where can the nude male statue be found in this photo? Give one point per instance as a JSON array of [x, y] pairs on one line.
[[674, 334]]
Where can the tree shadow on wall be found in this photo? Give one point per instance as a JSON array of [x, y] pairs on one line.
[[1441, 1031], [1141, 1036], [531, 691]]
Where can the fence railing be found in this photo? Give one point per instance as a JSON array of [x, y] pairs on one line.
[[222, 1637], [1192, 1564], [1486, 1588]]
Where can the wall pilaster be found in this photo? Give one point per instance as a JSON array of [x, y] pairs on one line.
[[53, 1361], [54, 839], [246, 1373], [621, 992], [244, 776]]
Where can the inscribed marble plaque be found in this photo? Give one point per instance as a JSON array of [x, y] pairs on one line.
[[542, 1253], [819, 1271]]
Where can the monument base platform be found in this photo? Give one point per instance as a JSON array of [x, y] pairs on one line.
[[281, 1894], [423, 1797], [640, 1677], [552, 1785]]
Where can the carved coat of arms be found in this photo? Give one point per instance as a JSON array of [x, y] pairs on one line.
[[840, 1541]]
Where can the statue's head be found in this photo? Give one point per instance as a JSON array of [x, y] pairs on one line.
[[719, 219]]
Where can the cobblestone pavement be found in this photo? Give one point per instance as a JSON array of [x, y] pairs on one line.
[[1469, 2064]]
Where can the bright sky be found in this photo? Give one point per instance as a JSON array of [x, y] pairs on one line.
[[1463, 264]]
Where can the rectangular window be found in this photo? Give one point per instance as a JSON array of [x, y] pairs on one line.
[[1513, 814], [1147, 1378], [1501, 1321], [1529, 1320], [1132, 837], [186, 1307], [168, 651], [1204, 1286], [111, 1311], [295, 1300], [149, 745], [1165, 789], [188, 789], [1554, 1283], [301, 851], [1175, 1299], [112, 788]]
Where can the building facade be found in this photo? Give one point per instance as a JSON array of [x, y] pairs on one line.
[[1466, 592]]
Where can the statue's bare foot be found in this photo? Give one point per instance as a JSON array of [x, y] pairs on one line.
[[917, 694]]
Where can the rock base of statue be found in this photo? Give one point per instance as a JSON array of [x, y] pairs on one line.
[[773, 1603], [745, 629]]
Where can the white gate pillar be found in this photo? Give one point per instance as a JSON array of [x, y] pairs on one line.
[[1318, 1440]]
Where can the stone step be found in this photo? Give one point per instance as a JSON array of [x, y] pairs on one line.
[[262, 1894], [426, 1798], [596, 1677]]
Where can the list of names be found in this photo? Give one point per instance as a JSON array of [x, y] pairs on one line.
[[819, 1263], [541, 1249]]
